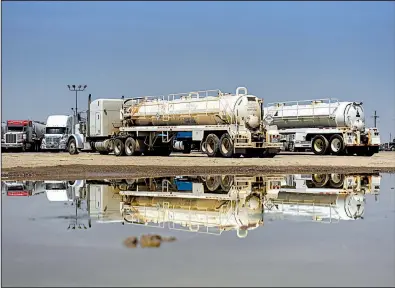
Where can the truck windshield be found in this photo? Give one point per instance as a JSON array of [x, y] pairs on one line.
[[55, 186], [55, 130], [15, 128]]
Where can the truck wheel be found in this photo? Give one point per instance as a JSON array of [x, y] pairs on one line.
[[226, 145], [336, 144], [72, 147], [266, 154], [213, 182], [203, 147], [119, 147], [319, 145], [320, 180], [187, 148], [212, 145], [336, 180], [130, 147], [226, 182]]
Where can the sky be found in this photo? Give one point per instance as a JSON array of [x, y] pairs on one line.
[[280, 51]]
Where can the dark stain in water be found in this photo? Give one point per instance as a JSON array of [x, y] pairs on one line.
[[147, 241]]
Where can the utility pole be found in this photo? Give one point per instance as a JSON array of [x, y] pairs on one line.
[[76, 89], [375, 116]]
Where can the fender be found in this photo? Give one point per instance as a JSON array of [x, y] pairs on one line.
[[79, 140]]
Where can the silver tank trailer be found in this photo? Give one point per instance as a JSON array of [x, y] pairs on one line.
[[316, 113]]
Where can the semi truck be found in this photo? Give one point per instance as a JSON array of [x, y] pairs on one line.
[[24, 135], [57, 132], [221, 124], [325, 126]]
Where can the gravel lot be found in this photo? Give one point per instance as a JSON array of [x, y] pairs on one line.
[[63, 165]]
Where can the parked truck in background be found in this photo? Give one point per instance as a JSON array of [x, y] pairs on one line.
[[24, 135], [326, 126], [57, 132], [222, 124], [22, 188]]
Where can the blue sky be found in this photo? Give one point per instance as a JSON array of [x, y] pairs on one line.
[[279, 50]]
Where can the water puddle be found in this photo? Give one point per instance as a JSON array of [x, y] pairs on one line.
[[183, 215]]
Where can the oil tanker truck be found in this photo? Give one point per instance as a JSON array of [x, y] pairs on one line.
[[24, 135], [325, 126], [222, 124]]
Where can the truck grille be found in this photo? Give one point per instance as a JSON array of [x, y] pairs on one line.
[[10, 138], [52, 140]]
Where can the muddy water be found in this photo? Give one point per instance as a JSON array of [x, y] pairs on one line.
[[228, 230]]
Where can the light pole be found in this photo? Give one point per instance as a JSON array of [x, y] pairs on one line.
[[76, 89]]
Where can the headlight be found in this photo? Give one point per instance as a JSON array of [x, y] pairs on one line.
[[24, 136]]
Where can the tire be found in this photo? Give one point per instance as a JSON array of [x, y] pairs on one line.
[[213, 182], [203, 147], [336, 144], [336, 180], [119, 147], [72, 147], [130, 147], [226, 182], [319, 145], [187, 148], [212, 145], [93, 149], [266, 154], [320, 180], [226, 146]]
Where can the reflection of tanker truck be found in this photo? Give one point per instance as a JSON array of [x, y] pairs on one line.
[[326, 126], [194, 203], [216, 203], [222, 125], [368, 183], [322, 197], [22, 188], [208, 204]]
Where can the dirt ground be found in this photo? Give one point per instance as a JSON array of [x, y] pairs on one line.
[[88, 165]]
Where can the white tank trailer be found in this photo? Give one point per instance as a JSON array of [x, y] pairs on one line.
[[23, 135], [326, 126], [222, 124]]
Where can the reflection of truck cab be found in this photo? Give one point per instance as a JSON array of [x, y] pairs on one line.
[[58, 129], [64, 191], [22, 188]]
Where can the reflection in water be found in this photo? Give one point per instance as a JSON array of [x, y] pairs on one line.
[[207, 204]]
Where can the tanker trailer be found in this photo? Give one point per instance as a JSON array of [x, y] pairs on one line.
[[326, 126], [314, 206], [211, 216], [24, 135], [222, 124]]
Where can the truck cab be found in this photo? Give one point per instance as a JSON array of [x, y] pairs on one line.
[[58, 129], [23, 135]]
